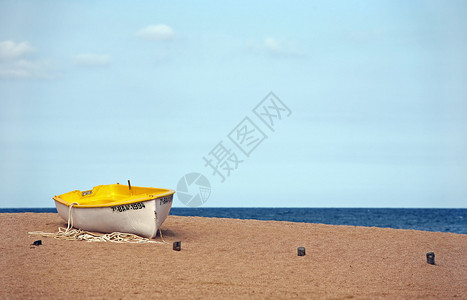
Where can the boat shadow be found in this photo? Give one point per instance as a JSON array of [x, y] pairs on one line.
[[167, 233]]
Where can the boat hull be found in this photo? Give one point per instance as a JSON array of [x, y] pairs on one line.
[[142, 218]]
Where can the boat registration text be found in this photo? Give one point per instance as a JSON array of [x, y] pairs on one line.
[[133, 206], [165, 200]]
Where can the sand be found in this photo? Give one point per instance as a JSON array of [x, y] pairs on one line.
[[231, 258]]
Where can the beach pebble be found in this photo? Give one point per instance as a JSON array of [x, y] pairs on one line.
[[301, 251]]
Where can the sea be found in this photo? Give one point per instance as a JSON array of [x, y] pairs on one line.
[[427, 219]]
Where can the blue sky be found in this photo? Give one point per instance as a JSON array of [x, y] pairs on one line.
[[101, 92]]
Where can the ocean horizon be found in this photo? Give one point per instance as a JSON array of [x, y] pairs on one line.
[[427, 219]]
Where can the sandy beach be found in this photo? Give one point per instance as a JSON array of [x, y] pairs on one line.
[[231, 258]]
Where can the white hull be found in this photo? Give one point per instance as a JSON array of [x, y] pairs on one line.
[[141, 218]]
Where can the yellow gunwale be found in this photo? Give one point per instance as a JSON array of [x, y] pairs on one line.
[[158, 193]]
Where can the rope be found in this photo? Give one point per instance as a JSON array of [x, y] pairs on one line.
[[77, 234], [70, 217]]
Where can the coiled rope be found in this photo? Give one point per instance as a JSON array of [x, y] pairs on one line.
[[70, 233]]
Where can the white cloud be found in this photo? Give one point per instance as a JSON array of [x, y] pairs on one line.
[[282, 48], [11, 50], [272, 45], [158, 32], [15, 65], [92, 60], [24, 69]]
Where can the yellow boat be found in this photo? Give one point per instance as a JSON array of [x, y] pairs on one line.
[[117, 208]]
